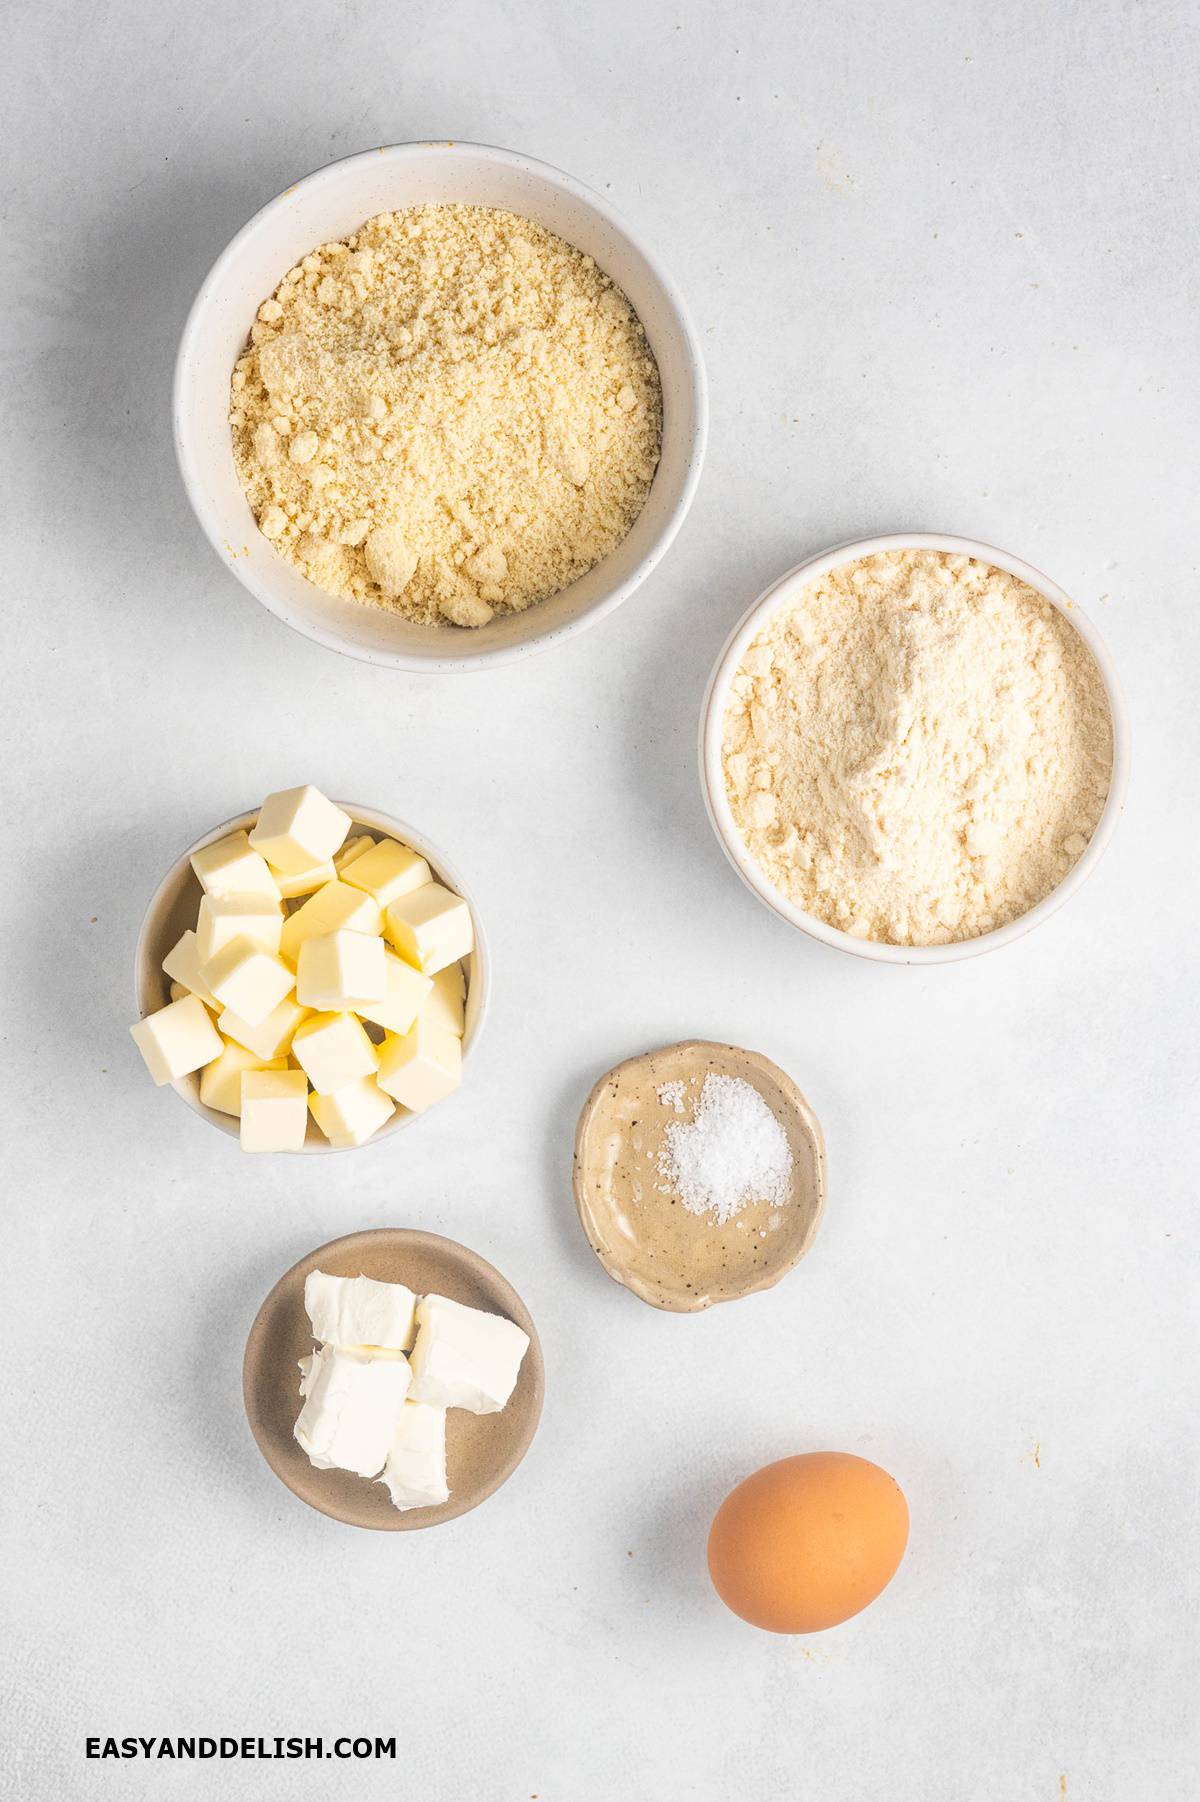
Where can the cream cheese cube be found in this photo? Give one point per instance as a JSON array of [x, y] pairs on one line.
[[221, 1081], [177, 1039], [415, 1472], [353, 847], [405, 993], [233, 867], [430, 927], [358, 1311], [387, 871], [298, 827], [420, 1066], [464, 1358], [352, 1114], [223, 918], [274, 1110], [182, 965], [351, 1409], [268, 1038], [248, 980], [306, 882], [334, 908], [333, 1050], [340, 970], [445, 1006]]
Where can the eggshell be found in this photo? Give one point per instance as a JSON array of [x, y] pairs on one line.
[[807, 1542]]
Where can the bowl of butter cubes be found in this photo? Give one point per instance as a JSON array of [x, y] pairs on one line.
[[310, 976], [393, 1379]]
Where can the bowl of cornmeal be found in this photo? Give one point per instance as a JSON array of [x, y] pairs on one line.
[[914, 748], [436, 406]]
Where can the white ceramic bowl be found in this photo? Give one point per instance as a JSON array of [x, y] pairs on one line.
[[332, 203], [713, 780], [173, 909]]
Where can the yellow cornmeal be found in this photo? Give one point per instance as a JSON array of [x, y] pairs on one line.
[[453, 413]]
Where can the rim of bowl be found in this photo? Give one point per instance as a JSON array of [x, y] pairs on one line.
[[479, 981], [712, 779], [681, 320]]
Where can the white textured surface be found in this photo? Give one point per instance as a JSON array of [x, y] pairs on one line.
[[942, 261]]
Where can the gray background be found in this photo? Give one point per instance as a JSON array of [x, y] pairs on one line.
[[942, 260]]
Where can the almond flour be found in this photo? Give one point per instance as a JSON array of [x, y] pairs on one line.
[[453, 413], [918, 748]]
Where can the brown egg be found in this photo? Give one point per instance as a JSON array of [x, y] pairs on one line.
[[807, 1542]]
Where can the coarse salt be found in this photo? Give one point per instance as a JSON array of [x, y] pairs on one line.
[[732, 1152]]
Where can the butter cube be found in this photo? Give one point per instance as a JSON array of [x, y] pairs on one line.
[[445, 1006], [221, 1081], [248, 980], [415, 1472], [420, 1066], [177, 1039], [430, 927], [304, 882], [464, 1358], [298, 827], [223, 918], [351, 1409], [274, 1110], [335, 908], [233, 867], [340, 970], [358, 1311], [182, 964], [387, 871], [269, 1038], [351, 1114], [405, 991], [353, 847], [333, 1050]]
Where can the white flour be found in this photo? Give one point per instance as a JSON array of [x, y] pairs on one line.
[[733, 1150], [917, 748]]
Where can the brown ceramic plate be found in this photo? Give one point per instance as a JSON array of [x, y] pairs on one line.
[[482, 1450], [645, 1238]]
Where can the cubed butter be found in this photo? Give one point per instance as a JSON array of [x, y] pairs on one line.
[[415, 1472], [352, 1114], [351, 1410], [358, 1311], [340, 970], [233, 867], [248, 980], [177, 1039], [182, 964], [335, 908], [387, 871], [268, 1038], [306, 882], [464, 1358], [298, 827], [405, 993], [430, 927], [420, 1066], [274, 1110], [353, 847], [333, 1050], [221, 1081], [223, 918], [445, 1006]]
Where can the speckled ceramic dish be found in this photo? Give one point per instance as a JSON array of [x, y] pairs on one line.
[[642, 1234], [482, 1450]]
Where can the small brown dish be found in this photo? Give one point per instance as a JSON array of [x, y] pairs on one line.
[[482, 1450], [642, 1234]]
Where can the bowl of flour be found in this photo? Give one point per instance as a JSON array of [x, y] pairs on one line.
[[914, 748]]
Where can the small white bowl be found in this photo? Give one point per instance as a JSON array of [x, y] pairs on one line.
[[329, 205], [712, 777], [173, 908]]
